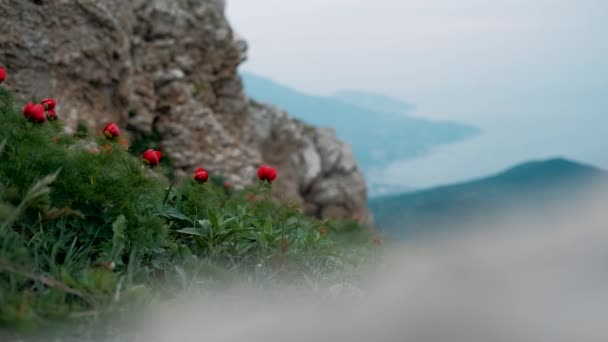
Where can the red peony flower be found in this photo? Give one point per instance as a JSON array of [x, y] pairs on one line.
[[51, 115], [267, 173], [27, 110], [201, 175], [2, 74], [34, 112], [111, 131], [49, 104], [152, 157]]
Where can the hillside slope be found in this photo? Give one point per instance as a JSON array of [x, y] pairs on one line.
[[377, 136], [527, 189], [85, 227]]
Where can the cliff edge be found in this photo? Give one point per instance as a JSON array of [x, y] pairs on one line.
[[171, 67]]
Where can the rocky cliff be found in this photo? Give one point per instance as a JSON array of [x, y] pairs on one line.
[[170, 67]]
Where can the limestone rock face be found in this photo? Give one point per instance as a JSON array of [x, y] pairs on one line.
[[170, 66]]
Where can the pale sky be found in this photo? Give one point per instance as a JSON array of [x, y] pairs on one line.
[[453, 58], [532, 74]]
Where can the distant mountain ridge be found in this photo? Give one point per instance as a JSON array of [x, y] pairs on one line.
[[377, 136], [525, 188]]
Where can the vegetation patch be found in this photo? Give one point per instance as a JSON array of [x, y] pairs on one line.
[[87, 229]]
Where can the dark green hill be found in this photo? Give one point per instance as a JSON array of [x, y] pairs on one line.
[[527, 189]]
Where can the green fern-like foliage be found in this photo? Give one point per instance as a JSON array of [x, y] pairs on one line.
[[86, 227]]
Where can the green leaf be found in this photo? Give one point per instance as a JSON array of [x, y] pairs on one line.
[[191, 231], [228, 221], [167, 193], [118, 240], [205, 224], [40, 190], [174, 214], [213, 218]]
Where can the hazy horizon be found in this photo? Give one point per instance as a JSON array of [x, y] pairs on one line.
[[536, 72]]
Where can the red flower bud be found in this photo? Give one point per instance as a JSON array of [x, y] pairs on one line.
[[111, 131], [152, 157], [228, 185], [49, 104], [27, 109], [2, 74], [201, 175], [51, 115], [267, 173], [34, 112]]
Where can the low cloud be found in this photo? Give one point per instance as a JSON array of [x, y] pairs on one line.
[[529, 281]]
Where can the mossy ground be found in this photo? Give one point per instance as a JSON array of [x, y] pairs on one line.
[[87, 231]]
